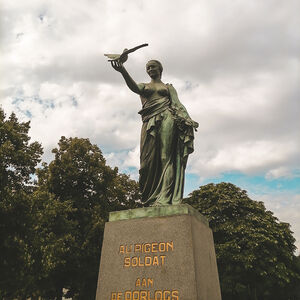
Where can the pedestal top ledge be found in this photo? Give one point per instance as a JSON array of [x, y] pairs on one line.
[[156, 211]]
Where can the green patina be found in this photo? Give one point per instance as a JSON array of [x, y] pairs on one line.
[[167, 136], [156, 211]]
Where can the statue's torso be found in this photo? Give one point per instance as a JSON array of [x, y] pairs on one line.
[[152, 91]]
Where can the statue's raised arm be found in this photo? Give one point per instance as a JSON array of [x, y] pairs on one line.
[[166, 138], [118, 66], [117, 61]]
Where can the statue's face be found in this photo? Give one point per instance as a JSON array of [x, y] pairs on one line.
[[153, 69]]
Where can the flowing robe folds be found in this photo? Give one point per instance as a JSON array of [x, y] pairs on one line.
[[166, 141]]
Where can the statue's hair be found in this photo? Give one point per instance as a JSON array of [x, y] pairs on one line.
[[158, 63]]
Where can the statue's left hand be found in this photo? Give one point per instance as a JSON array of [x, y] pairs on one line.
[[195, 125], [192, 123]]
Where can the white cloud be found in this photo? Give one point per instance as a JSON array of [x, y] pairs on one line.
[[236, 71], [278, 173]]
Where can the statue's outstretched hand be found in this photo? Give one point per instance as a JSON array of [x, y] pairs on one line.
[[117, 65]]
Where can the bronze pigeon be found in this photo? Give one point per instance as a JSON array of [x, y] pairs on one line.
[[124, 56]]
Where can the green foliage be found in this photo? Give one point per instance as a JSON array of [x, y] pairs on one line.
[[255, 252], [295, 286], [51, 231], [51, 241], [79, 176], [18, 159]]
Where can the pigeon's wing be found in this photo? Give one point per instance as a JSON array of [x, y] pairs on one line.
[[135, 48], [123, 57], [113, 56]]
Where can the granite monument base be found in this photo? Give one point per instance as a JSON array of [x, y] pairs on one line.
[[158, 253]]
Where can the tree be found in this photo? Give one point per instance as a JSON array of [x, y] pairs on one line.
[[51, 229], [79, 176], [18, 160], [255, 252], [53, 237], [295, 286], [18, 157]]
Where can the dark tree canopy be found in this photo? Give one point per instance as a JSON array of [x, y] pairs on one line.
[[51, 230], [18, 159], [79, 177], [255, 252]]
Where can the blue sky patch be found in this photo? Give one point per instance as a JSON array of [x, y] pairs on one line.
[[256, 184]]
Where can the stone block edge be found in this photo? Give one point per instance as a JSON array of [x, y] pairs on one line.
[[157, 211]]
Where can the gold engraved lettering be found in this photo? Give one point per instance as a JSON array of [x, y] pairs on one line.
[[134, 261], [158, 295], [127, 262], [170, 245], [144, 282], [148, 261], [149, 296], [138, 282], [140, 264], [128, 249], [113, 296], [162, 247], [175, 295], [149, 282], [135, 295], [128, 295], [116, 296], [155, 261], [167, 295], [137, 247], [147, 248], [154, 247], [146, 295], [119, 296], [143, 295]]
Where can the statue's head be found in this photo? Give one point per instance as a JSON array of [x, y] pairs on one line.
[[153, 66]]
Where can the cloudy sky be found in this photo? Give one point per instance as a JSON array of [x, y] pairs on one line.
[[235, 65]]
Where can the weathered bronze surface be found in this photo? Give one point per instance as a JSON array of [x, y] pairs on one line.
[[166, 138], [155, 212]]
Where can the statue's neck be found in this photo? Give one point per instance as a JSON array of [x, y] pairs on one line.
[[156, 80]]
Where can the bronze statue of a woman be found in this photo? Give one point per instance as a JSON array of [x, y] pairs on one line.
[[166, 138]]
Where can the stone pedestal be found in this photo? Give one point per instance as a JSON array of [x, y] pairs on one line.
[[158, 253]]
